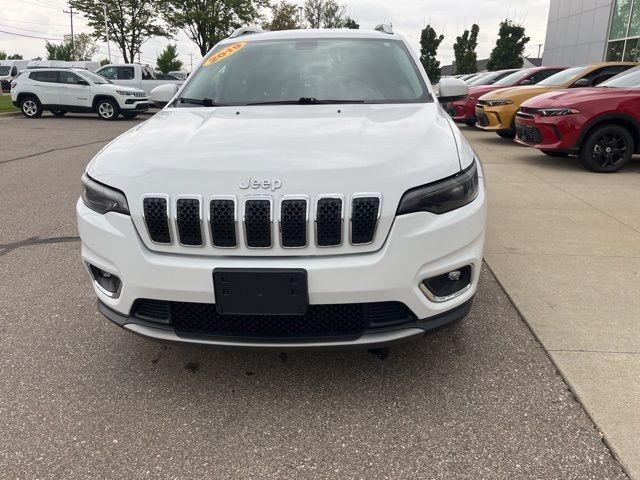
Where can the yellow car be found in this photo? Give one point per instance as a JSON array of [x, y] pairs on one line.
[[496, 111]]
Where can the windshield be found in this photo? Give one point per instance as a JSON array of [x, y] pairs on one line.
[[94, 77], [628, 79], [307, 71], [564, 76], [489, 79], [514, 77], [5, 69]]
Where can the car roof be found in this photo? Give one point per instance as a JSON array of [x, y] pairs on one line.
[[311, 33]]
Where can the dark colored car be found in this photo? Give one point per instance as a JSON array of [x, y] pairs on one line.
[[464, 111], [600, 124]]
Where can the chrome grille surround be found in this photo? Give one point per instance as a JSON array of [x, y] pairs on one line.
[[233, 199], [283, 199], [175, 219]]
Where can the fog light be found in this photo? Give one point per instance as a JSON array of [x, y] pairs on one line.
[[106, 282], [447, 285]]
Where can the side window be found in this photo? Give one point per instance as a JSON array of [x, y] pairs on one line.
[[69, 78], [47, 76], [125, 73], [108, 72], [600, 75], [539, 76], [14, 71], [146, 75]]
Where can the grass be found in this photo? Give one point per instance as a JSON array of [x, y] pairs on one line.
[[5, 104]]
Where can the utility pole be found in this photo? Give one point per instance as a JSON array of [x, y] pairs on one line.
[[300, 15], [106, 29], [191, 55], [71, 14], [539, 46]]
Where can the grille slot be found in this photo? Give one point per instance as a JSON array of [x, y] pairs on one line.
[[329, 213], [293, 223], [156, 219], [364, 219], [257, 223], [222, 214], [188, 220], [333, 320], [528, 134]]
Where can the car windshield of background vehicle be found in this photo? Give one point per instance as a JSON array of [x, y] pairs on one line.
[[514, 77], [563, 77], [489, 79], [628, 79], [307, 71], [93, 77], [5, 69]]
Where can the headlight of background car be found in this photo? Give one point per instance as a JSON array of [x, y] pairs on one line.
[[124, 93], [444, 195], [557, 112], [497, 103], [101, 198]]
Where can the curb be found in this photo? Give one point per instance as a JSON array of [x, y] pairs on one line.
[[9, 114]]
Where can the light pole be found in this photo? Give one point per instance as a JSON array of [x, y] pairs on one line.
[[106, 29]]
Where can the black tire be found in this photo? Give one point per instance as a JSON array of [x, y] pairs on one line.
[[551, 153], [510, 134], [31, 106], [470, 123], [129, 114], [58, 113], [606, 149], [107, 109]]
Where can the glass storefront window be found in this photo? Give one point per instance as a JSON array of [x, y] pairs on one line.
[[620, 20], [634, 26], [632, 50], [615, 51]]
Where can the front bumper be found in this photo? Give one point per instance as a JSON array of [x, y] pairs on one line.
[[419, 246], [559, 134], [462, 111], [495, 119], [135, 105]]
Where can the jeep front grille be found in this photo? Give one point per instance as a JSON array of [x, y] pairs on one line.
[[261, 222]]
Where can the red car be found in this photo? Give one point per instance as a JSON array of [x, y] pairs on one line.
[[600, 124], [464, 111]]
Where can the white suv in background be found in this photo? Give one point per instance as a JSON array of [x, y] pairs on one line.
[[62, 90], [303, 188]]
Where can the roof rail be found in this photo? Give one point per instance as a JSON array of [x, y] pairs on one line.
[[245, 31], [385, 28]]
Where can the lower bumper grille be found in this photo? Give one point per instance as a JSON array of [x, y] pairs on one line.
[[334, 320], [528, 134], [481, 119]]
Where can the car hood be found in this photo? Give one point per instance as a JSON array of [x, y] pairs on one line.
[[518, 94], [573, 97], [309, 149]]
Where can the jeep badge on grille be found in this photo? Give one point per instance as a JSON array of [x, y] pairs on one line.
[[254, 183]]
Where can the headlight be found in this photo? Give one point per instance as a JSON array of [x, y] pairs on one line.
[[101, 198], [444, 195], [124, 93], [556, 112], [497, 103]]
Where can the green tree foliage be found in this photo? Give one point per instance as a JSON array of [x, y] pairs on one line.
[[15, 56], [3, 55], [130, 22], [168, 60], [324, 14], [509, 47], [104, 61], [62, 51], [465, 51], [82, 48], [284, 16], [429, 43], [206, 22], [351, 24]]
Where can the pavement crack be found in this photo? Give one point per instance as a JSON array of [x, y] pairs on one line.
[[10, 247], [53, 150]]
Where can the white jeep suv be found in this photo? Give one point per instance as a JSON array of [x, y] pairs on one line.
[[302, 189], [62, 90]]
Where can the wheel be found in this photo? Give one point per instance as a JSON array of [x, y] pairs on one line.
[[107, 109], [510, 134], [58, 113], [551, 153], [129, 114], [31, 107], [470, 123], [606, 149]]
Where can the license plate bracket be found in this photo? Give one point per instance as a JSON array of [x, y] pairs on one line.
[[261, 291]]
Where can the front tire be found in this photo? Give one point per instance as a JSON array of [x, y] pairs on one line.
[[509, 134], [470, 123], [58, 113], [107, 109], [606, 149], [31, 107]]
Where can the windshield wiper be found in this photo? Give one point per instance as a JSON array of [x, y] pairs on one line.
[[205, 102], [306, 101]]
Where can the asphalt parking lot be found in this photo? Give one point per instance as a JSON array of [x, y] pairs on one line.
[[80, 398]]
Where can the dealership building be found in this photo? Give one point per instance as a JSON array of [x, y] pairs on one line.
[[588, 31]]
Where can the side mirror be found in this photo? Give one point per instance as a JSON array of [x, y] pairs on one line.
[[583, 82], [452, 89], [163, 94], [526, 82]]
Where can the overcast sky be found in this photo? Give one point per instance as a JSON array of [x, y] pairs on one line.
[[45, 18]]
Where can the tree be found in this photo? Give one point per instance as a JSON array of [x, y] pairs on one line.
[[63, 51], [465, 51], [168, 60], [324, 14], [284, 16], [84, 48], [15, 56], [104, 61], [130, 22], [509, 47], [351, 24], [206, 22], [429, 43], [3, 55]]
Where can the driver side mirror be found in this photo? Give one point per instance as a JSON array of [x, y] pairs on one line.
[[452, 89], [163, 94], [583, 82]]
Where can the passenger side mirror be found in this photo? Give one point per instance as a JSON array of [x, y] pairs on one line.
[[163, 94], [452, 89], [526, 82], [583, 82]]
